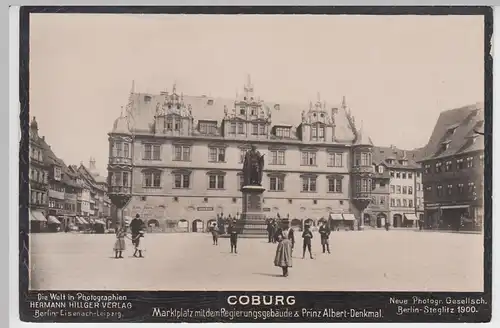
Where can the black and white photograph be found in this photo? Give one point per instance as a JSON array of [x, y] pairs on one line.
[[311, 153]]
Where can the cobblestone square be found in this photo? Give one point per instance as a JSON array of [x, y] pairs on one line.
[[374, 260]]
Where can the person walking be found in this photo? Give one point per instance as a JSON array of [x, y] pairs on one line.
[[283, 257], [233, 236], [324, 232], [307, 237], [135, 227], [269, 231]]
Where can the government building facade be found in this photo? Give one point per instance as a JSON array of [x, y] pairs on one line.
[[180, 159]]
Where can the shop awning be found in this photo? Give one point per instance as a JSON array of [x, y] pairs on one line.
[[349, 217], [336, 216], [82, 220], [411, 217], [449, 207], [100, 222], [53, 220], [37, 216]]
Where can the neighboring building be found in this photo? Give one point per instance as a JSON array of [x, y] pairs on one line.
[[38, 179], [397, 190], [180, 157], [72, 189], [453, 175]]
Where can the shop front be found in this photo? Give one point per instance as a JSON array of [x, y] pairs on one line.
[[38, 221]]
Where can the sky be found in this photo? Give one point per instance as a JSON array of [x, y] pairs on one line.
[[397, 72]]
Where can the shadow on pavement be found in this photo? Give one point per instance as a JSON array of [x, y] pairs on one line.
[[268, 274]]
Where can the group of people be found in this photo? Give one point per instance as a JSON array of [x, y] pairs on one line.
[[137, 228], [215, 230]]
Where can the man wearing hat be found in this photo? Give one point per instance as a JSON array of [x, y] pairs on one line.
[[307, 236], [135, 227], [233, 236]]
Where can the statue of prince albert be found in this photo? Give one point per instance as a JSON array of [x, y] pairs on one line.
[[253, 166]]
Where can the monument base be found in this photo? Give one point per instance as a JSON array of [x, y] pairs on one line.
[[252, 222]]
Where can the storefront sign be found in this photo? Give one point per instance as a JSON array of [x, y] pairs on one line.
[[266, 209], [205, 209]]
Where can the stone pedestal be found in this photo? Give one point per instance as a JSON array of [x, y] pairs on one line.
[[252, 222]]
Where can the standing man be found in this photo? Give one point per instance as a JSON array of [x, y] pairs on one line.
[[269, 231], [324, 232], [233, 236], [135, 227], [307, 236]]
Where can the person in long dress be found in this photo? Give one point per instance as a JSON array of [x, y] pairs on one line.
[[120, 242], [283, 256]]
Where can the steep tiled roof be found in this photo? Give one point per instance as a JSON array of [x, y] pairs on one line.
[[455, 128], [381, 155], [142, 108]]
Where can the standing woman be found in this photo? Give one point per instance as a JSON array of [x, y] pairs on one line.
[[215, 233], [283, 256], [120, 242]]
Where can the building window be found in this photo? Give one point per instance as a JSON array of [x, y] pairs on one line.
[[481, 160], [470, 162], [428, 189], [208, 128], [317, 132], [380, 169], [335, 185], [277, 183], [460, 188], [309, 184], [177, 124], [418, 186], [447, 166], [216, 154], [363, 185], [398, 202], [393, 189], [308, 158], [255, 129], [118, 148], [410, 203], [471, 187], [460, 164], [382, 200], [152, 152], [403, 175], [398, 175], [410, 175], [439, 190], [335, 160], [241, 128], [216, 181], [363, 159], [398, 189], [450, 189], [393, 202], [233, 128], [125, 179], [262, 129], [182, 153], [405, 202], [405, 190], [410, 190], [277, 157], [438, 167], [181, 180], [427, 168], [283, 132], [151, 179], [126, 150]]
